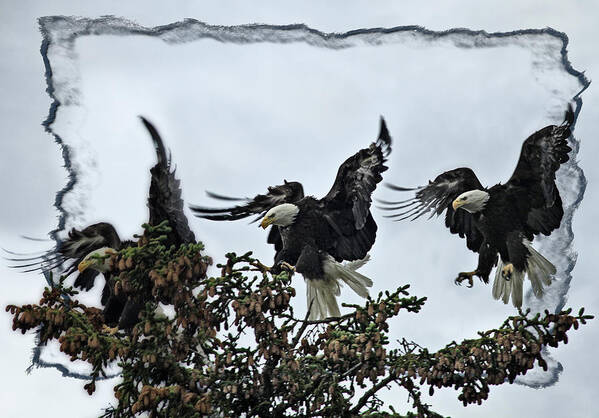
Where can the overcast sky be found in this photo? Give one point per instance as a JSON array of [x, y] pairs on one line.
[[240, 118]]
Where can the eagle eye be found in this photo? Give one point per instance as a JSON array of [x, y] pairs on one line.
[[465, 198]]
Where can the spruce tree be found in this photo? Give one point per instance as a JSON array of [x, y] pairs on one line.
[[200, 363]]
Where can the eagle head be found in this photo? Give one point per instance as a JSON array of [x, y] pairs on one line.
[[97, 260], [281, 215], [471, 201]]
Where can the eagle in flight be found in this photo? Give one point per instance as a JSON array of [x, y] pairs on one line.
[[315, 236], [501, 220]]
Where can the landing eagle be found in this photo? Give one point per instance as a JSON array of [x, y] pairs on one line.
[[501, 220], [84, 249], [314, 236]]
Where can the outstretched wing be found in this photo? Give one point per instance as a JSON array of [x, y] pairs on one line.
[[288, 192], [542, 154], [72, 251], [437, 197], [347, 205], [357, 178], [164, 200]]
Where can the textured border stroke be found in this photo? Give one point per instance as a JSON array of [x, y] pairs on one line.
[[61, 32]]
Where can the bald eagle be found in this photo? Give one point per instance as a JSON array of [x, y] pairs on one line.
[[314, 236], [503, 219], [82, 247]]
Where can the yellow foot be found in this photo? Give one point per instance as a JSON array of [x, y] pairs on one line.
[[288, 267], [465, 275], [507, 271], [110, 330]]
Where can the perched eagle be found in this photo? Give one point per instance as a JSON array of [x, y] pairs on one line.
[[313, 236], [81, 248], [502, 219]]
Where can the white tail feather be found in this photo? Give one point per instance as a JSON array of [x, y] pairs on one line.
[[356, 264], [322, 293], [498, 285], [503, 289], [538, 269], [322, 298], [517, 280]]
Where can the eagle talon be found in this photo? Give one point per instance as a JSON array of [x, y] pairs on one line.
[[285, 265], [465, 276], [110, 330], [507, 271]]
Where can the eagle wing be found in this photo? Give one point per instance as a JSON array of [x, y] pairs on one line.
[[164, 199], [81, 243], [437, 197], [541, 156], [347, 205], [72, 250], [288, 192]]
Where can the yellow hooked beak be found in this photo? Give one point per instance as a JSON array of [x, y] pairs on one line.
[[84, 265], [266, 222], [457, 204]]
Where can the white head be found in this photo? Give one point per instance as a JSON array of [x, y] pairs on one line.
[[281, 215], [96, 260], [472, 201]]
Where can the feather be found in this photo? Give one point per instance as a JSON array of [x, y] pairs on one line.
[[321, 293], [358, 177], [321, 296], [498, 282], [505, 288], [539, 270], [437, 197], [541, 155], [517, 281], [221, 197], [289, 192], [164, 197]]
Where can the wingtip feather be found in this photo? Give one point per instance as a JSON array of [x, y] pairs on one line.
[[569, 116], [400, 188], [222, 197], [384, 138], [157, 140]]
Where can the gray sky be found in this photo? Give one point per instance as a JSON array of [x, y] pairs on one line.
[[328, 101]]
